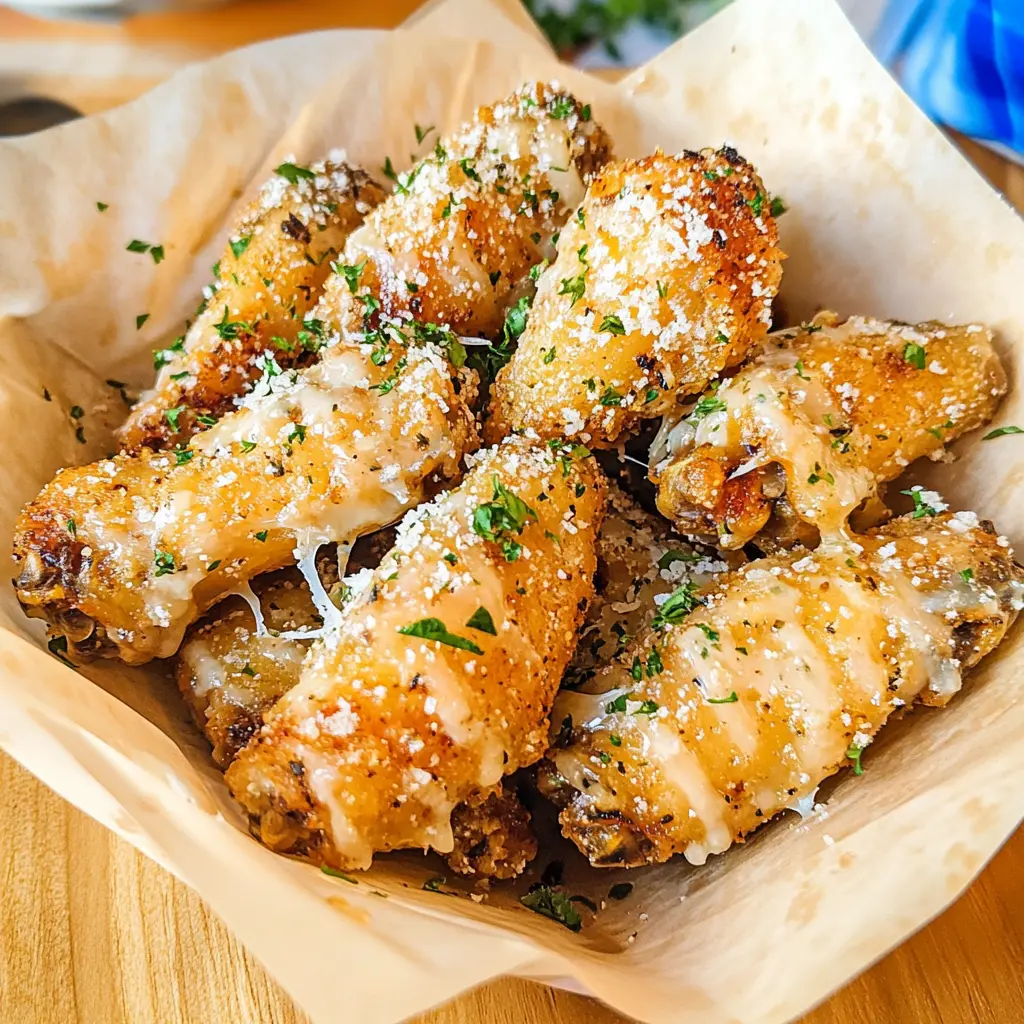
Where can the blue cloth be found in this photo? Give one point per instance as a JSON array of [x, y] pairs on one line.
[[962, 61]]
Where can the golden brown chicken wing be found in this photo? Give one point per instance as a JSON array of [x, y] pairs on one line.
[[455, 243], [120, 556], [772, 679], [663, 278], [440, 678], [817, 421], [267, 282]]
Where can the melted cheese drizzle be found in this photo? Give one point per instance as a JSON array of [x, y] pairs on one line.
[[786, 668]]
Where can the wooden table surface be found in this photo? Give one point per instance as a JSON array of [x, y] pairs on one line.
[[93, 932]]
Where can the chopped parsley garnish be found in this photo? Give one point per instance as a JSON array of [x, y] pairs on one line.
[[662, 290], [157, 252], [247, 446], [102, 206], [561, 108], [334, 873], [548, 903], [620, 890], [581, 217], [298, 433], [854, 753], [566, 452], [293, 172], [451, 558], [757, 203], [612, 324], [72, 528], [434, 884], [574, 287], [183, 455], [481, 620], [654, 663], [207, 420], [238, 246], [165, 564], [171, 415], [213, 565], [799, 368], [230, 329], [818, 475], [707, 405], [967, 575], [921, 506], [468, 169], [675, 555], [261, 536], [778, 206], [501, 517], [914, 354], [679, 604], [549, 355], [1002, 432], [163, 356], [610, 397], [652, 394], [140, 320], [537, 269], [711, 634], [388, 383], [422, 133], [248, 670], [435, 629], [731, 699], [137, 245]]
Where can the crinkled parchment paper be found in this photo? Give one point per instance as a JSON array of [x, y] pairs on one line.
[[885, 219]]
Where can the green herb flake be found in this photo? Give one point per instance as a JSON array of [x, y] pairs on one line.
[[261, 536], [171, 415], [102, 206], [574, 287], [731, 699], [293, 172], [679, 604], [854, 753], [778, 206], [436, 630], [335, 873], [505, 514], [140, 320], [481, 621], [915, 355], [165, 564], [610, 397], [556, 905], [967, 575], [434, 884], [215, 564], [612, 325], [248, 446], [183, 456], [239, 245], [137, 245], [921, 506], [549, 355], [1002, 432], [422, 133]]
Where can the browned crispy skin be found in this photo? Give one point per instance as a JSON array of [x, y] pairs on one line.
[[814, 424], [388, 731], [493, 838], [664, 278], [268, 279], [455, 242], [780, 676]]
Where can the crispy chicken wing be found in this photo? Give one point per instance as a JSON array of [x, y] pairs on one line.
[[455, 242], [771, 680], [268, 280], [231, 671], [663, 278], [120, 556], [818, 420], [440, 677]]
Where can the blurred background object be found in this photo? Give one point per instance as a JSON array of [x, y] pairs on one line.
[[961, 60]]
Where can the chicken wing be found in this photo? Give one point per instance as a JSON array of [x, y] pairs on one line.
[[230, 671], [663, 278], [818, 420], [267, 281], [455, 242], [771, 680], [120, 556], [440, 677]]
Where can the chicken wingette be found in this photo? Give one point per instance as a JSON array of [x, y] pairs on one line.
[[664, 277], [267, 281], [337, 449], [439, 679], [822, 416], [770, 680], [233, 666], [120, 556], [456, 241]]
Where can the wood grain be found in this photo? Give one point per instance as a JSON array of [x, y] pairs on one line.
[[91, 932]]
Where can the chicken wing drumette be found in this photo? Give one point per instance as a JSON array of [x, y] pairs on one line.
[[772, 679], [267, 281], [663, 278], [813, 425], [440, 678]]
